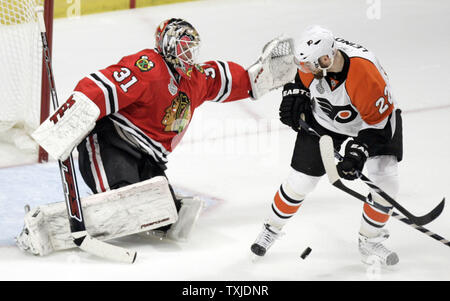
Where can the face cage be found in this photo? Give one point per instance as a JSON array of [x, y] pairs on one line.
[[187, 50]]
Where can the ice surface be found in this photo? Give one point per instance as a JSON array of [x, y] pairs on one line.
[[237, 154]]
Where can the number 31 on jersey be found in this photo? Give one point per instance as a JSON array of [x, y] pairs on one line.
[[122, 76]]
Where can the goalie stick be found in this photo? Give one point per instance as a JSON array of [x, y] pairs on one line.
[[326, 151], [418, 220], [71, 195]]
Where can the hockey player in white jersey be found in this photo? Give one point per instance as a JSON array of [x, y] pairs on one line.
[[342, 91]]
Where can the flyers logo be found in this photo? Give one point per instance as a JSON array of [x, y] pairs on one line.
[[341, 114]]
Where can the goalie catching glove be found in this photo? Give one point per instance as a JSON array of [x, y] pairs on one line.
[[274, 68]]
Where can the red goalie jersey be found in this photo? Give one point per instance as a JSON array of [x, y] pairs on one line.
[[150, 109]]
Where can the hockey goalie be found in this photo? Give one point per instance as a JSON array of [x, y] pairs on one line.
[[126, 119]]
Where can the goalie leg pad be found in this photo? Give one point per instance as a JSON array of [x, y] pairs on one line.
[[34, 237], [65, 129], [128, 210]]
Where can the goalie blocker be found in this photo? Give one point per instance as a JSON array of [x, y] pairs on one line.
[[116, 213]]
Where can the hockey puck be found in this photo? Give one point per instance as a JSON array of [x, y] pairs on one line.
[[306, 253]]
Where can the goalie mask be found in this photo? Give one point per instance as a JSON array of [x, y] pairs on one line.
[[178, 42], [314, 43]]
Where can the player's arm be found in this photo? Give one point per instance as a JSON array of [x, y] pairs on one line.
[[113, 88], [274, 68], [97, 95], [225, 81], [370, 95]]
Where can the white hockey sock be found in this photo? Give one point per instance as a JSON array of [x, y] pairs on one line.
[[285, 205], [373, 219]]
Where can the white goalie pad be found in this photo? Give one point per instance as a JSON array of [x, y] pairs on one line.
[[68, 125], [274, 68], [120, 212]]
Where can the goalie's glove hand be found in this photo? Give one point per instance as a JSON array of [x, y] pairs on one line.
[[296, 104], [355, 156]]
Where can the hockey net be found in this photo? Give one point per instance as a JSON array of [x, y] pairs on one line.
[[21, 62]]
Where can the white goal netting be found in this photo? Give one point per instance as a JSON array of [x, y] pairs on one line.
[[20, 77]]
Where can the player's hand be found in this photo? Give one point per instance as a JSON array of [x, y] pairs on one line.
[[355, 156], [295, 102]]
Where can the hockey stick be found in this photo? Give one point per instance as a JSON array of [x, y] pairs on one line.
[[418, 220], [327, 150], [71, 195]]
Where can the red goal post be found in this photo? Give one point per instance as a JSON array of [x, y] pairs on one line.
[[45, 88]]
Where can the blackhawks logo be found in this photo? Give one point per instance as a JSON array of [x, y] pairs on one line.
[[199, 68], [144, 64], [178, 114]]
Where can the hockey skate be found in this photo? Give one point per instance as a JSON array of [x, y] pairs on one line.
[[372, 249], [180, 231], [265, 239]]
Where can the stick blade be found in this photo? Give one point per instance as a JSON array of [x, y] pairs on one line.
[[108, 251], [327, 153], [429, 217]]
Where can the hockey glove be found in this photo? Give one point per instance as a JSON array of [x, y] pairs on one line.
[[355, 156], [296, 103]]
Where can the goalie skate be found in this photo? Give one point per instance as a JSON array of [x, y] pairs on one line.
[[181, 230], [372, 249]]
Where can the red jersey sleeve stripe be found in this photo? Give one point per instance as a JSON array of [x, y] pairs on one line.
[[113, 99], [226, 81], [106, 93]]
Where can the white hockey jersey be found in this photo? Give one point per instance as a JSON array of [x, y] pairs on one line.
[[355, 99]]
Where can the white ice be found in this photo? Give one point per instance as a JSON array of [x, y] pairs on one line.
[[236, 155]]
